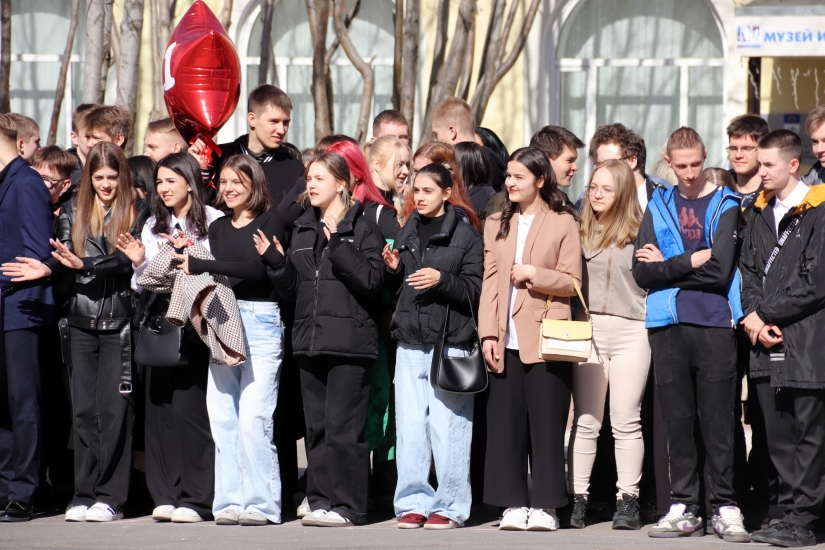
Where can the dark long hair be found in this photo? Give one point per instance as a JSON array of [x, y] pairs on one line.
[[536, 162], [184, 165], [473, 164], [491, 140], [142, 169], [90, 214]]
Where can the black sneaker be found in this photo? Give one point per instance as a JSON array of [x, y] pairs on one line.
[[789, 535], [763, 534], [627, 513], [574, 515]]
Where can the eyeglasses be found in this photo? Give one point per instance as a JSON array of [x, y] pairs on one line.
[[605, 191], [51, 183], [734, 150]]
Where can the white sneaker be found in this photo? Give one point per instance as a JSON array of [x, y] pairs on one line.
[[76, 513], [332, 519], [163, 513], [102, 512], [227, 517], [542, 520], [304, 509], [514, 519], [186, 515], [729, 525], [311, 518]]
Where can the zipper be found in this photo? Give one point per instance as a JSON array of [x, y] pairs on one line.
[[669, 307], [315, 302]]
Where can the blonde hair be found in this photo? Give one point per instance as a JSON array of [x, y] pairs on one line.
[[454, 111], [386, 153], [620, 224], [339, 170]]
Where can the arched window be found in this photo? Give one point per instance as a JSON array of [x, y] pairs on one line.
[[372, 34], [653, 66]]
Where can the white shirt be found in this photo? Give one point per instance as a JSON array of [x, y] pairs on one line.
[[780, 208], [641, 192], [524, 223], [151, 241]]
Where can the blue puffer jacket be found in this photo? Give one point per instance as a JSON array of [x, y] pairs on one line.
[[661, 302]]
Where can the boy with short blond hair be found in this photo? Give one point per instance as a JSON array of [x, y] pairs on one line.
[[28, 135], [815, 127], [162, 138]]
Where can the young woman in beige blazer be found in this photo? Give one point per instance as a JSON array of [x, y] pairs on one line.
[[532, 250]]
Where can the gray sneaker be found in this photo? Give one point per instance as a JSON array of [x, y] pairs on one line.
[[251, 517], [729, 525], [227, 517], [678, 523]]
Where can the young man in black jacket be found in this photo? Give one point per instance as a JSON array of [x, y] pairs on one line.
[[783, 294], [269, 116]]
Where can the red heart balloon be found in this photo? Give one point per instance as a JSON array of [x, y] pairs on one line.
[[201, 76]]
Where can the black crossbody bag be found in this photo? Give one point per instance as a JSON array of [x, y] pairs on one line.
[[459, 374], [160, 343]]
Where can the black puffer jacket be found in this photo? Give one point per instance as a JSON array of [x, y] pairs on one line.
[[102, 298], [335, 287], [457, 251], [794, 294]]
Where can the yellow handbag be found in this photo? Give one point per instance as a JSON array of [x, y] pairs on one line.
[[562, 340]]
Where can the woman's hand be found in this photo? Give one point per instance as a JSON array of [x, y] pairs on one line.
[[490, 348], [197, 151], [25, 269], [649, 254], [424, 278], [184, 262], [392, 258], [522, 273], [65, 256], [180, 240], [261, 244], [330, 225], [132, 248]]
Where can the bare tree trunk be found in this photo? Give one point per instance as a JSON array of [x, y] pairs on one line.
[[267, 7], [503, 62], [95, 52], [318, 15], [467, 68], [440, 49], [5, 55], [108, 22], [492, 49], [364, 67], [408, 76], [131, 27], [162, 25], [61, 76], [398, 54], [226, 14], [448, 80]]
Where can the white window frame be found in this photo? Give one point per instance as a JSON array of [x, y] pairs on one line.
[[68, 98]]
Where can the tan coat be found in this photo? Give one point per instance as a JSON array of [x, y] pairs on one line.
[[553, 246]]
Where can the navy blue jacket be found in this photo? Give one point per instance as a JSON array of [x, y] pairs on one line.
[[25, 229]]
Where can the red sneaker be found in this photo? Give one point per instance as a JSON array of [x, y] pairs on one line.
[[411, 521], [440, 522]]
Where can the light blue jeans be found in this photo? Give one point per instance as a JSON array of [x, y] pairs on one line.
[[240, 401], [431, 423]]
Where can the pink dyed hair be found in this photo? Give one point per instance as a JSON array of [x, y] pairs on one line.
[[365, 190]]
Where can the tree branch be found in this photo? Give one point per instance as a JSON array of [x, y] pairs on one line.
[[267, 8], [64, 70], [347, 21], [226, 14], [5, 55], [410, 70], [364, 67], [127, 69], [398, 53], [440, 49], [318, 16]]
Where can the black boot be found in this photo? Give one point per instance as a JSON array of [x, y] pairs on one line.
[[627, 513], [574, 515], [789, 535]]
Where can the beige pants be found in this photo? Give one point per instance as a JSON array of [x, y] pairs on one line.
[[620, 359]]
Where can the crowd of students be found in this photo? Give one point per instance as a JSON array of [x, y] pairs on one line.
[[306, 294]]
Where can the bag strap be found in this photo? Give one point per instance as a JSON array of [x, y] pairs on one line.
[[779, 244], [578, 291]]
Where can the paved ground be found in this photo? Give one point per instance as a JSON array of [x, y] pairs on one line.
[[142, 533]]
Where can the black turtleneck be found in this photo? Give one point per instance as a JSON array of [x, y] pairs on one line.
[[428, 228]]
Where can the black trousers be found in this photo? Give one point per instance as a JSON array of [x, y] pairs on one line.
[[57, 457], [526, 416], [765, 482], [336, 394], [795, 425], [696, 373], [103, 419], [20, 420], [180, 452]]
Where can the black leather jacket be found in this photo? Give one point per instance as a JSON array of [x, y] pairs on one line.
[[102, 296]]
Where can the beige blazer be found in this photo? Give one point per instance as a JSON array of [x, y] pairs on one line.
[[553, 246]]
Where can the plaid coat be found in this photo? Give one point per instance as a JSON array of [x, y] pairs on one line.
[[206, 300]]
